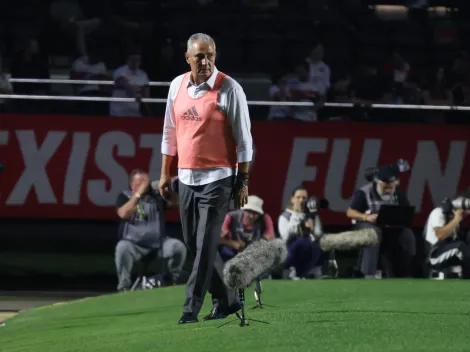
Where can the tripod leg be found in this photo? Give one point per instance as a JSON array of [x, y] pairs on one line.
[[241, 295], [258, 293]]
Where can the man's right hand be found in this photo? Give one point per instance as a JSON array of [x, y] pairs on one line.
[[372, 218], [143, 187], [165, 187]]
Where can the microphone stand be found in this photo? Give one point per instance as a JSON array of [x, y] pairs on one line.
[[242, 317], [259, 303]]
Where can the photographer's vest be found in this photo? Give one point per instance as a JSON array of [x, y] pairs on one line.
[[145, 226], [374, 201], [203, 132], [241, 232]]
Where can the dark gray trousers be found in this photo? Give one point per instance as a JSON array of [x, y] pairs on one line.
[[203, 210], [395, 245]]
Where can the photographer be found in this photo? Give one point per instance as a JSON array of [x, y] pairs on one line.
[[142, 229], [364, 208], [304, 258], [241, 227], [244, 226], [442, 231]]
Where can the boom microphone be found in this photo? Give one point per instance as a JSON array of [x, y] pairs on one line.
[[256, 259], [348, 240]]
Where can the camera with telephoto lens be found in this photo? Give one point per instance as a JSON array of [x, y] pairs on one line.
[[448, 205], [371, 172]]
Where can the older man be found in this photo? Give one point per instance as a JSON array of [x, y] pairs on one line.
[[207, 124], [364, 209]]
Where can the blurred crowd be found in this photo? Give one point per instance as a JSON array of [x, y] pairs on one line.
[[334, 51]]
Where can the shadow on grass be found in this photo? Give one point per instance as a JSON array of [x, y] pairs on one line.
[[126, 314]]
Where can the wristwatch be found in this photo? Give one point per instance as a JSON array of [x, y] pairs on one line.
[[137, 195]]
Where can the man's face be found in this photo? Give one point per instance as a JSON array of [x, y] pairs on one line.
[[201, 58], [386, 187], [133, 61], [250, 217], [138, 180]]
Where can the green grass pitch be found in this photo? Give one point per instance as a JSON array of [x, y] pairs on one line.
[[322, 315]]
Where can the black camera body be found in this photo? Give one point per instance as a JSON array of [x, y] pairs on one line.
[[310, 208], [312, 205], [371, 172]]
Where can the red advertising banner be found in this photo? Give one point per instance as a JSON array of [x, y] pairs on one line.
[[74, 167]]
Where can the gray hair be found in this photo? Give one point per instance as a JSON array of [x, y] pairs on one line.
[[199, 37]]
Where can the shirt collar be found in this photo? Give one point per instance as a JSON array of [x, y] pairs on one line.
[[210, 81]]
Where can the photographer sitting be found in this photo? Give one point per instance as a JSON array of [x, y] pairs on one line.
[[142, 229], [244, 226], [304, 258], [448, 246], [365, 205]]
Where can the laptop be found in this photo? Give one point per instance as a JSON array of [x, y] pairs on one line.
[[396, 215]]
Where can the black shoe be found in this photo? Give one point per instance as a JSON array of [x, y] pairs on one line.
[[221, 313], [187, 318], [216, 313]]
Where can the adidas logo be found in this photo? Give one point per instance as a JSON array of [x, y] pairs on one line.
[[191, 114]]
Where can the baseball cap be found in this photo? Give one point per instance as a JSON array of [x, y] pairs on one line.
[[388, 173]]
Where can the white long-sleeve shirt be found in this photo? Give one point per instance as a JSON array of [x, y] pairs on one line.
[[289, 225], [232, 102]]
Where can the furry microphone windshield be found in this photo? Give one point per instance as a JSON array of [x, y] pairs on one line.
[[257, 259], [349, 240]]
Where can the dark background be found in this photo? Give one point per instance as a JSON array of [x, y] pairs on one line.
[[78, 255]]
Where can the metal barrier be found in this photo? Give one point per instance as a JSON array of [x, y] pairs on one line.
[[167, 84]]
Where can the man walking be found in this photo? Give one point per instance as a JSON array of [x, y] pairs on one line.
[[207, 124]]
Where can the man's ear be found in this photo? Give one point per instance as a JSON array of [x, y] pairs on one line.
[[186, 56]]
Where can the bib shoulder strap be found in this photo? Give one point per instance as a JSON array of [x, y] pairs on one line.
[[219, 80]]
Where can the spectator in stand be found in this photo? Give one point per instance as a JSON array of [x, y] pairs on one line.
[[403, 88], [130, 82], [340, 92], [30, 62], [162, 66], [303, 90], [5, 88], [371, 86], [459, 70], [436, 92], [460, 96], [279, 91], [319, 72], [90, 66], [69, 15]]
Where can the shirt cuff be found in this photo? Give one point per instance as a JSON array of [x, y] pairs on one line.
[[244, 156], [168, 150]]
